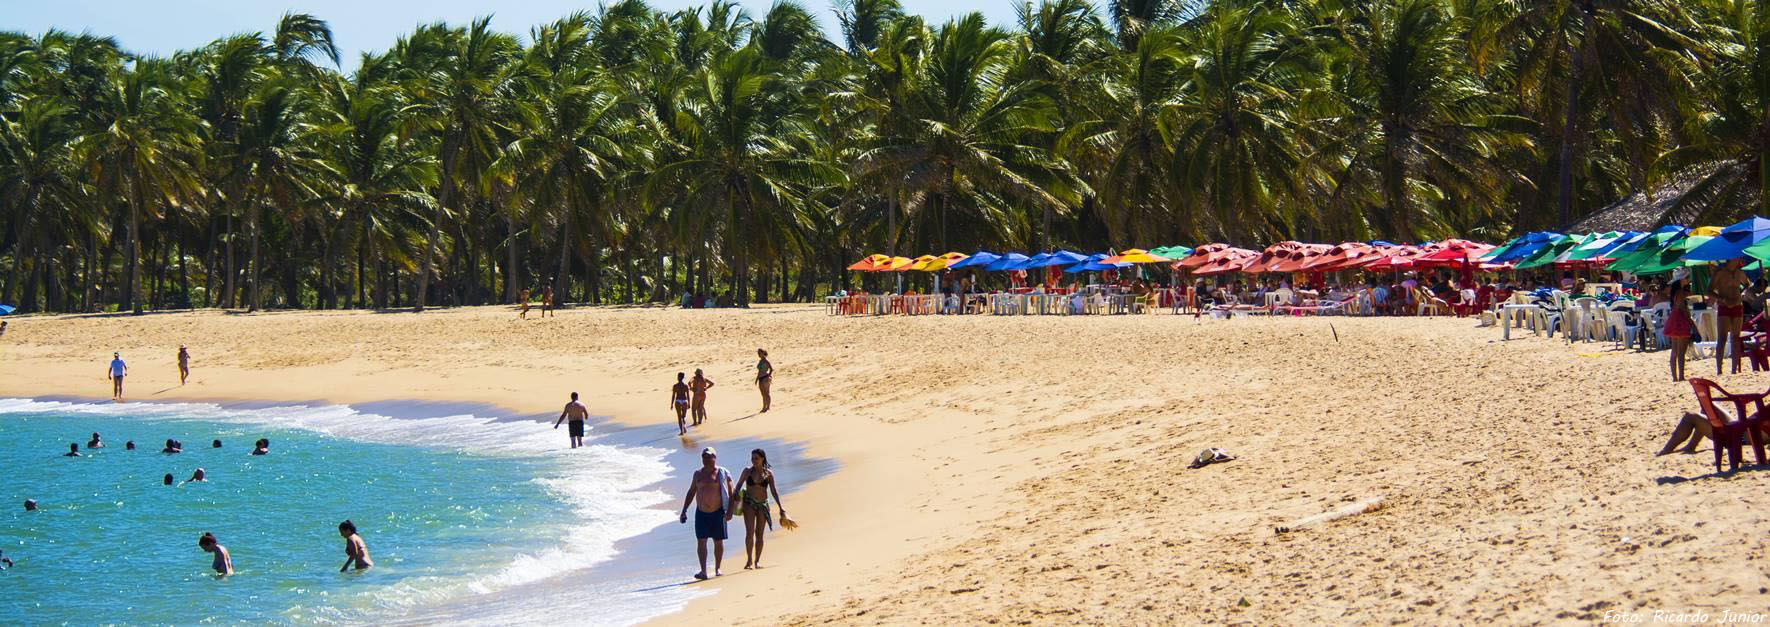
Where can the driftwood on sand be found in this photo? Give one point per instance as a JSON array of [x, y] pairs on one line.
[[1351, 509]]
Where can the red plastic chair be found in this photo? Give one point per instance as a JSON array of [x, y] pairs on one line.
[[1728, 432]]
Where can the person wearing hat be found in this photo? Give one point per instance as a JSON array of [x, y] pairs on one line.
[[115, 374], [184, 364], [711, 491]]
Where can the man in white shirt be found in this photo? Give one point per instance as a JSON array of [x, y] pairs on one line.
[[115, 374]]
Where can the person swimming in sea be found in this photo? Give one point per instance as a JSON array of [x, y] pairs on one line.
[[173, 446], [73, 450], [215, 444], [5, 562], [129, 445], [223, 563], [198, 476], [355, 550], [764, 376], [30, 505], [94, 442], [577, 413], [679, 400], [262, 447], [698, 407], [167, 480]]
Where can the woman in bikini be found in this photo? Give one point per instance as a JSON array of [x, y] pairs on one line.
[[764, 376], [356, 552], [756, 483], [699, 385], [1677, 330], [679, 400]]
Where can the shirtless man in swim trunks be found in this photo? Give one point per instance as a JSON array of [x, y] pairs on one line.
[[546, 300], [577, 413], [679, 400], [711, 492], [1728, 288], [699, 385]]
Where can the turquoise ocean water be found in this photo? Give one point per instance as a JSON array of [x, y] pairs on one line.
[[454, 509]]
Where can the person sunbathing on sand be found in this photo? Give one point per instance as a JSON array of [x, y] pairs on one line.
[[698, 406], [679, 400], [1691, 427]]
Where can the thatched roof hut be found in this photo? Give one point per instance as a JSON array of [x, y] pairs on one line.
[[1668, 204]]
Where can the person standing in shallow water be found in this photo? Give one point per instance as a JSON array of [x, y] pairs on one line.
[[764, 376], [698, 407], [73, 450], [710, 491], [355, 550], [576, 412], [262, 447], [223, 562], [679, 401]]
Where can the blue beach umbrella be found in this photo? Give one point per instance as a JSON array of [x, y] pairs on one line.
[[1533, 243], [5, 309], [1005, 262], [1036, 261], [1092, 264], [1063, 258], [1732, 242], [981, 258]]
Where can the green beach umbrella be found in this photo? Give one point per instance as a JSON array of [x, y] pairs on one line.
[[1647, 251], [1759, 251], [1171, 252], [1548, 254], [1672, 256], [1594, 244]]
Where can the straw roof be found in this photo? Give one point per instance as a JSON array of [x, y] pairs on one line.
[[1643, 211]]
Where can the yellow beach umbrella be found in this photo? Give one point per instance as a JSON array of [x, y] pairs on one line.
[[896, 264], [922, 262], [1710, 231], [941, 262], [1135, 255]]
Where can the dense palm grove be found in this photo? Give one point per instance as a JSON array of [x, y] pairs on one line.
[[630, 155]]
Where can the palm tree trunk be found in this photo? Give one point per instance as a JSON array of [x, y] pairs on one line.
[[227, 289], [563, 278], [510, 279], [362, 255], [132, 298], [444, 196], [1564, 179], [252, 270]]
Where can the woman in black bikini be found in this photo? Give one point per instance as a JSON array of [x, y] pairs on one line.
[[764, 376], [756, 483]]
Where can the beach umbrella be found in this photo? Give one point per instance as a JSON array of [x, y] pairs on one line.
[[1546, 254], [6, 309], [1273, 254], [871, 263], [1532, 243], [1337, 256], [1759, 251], [1228, 260], [1029, 263], [1201, 256], [1674, 255], [1596, 246], [1005, 262], [980, 258], [1733, 241], [1706, 231], [1095, 263], [1647, 250], [895, 264], [1296, 259], [943, 262], [1171, 252], [1454, 251], [922, 262], [1136, 255], [1062, 258]]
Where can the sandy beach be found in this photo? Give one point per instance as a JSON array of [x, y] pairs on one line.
[[1034, 469]]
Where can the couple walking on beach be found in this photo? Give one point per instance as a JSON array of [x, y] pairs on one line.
[[717, 500], [689, 396], [117, 370]]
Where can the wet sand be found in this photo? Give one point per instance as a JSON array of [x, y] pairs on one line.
[[1033, 469]]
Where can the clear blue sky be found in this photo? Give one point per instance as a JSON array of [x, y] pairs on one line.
[[165, 26]]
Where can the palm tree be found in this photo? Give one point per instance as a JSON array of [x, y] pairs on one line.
[[366, 142], [39, 180], [143, 154], [279, 166], [1727, 155]]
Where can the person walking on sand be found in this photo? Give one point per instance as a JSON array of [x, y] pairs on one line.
[[576, 412], [710, 492], [679, 400], [355, 550], [546, 300], [523, 300], [1677, 330], [699, 385], [223, 563], [184, 364], [756, 484], [764, 376], [1728, 288], [115, 374]]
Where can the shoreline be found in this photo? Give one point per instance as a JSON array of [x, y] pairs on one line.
[[1033, 468]]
